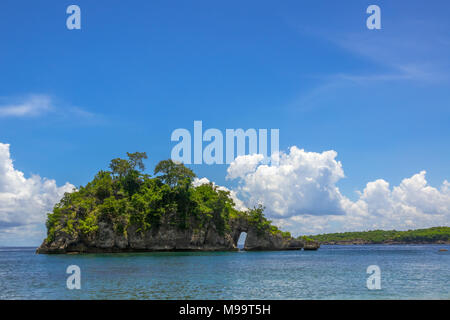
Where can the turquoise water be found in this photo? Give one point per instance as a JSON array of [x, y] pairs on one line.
[[332, 272]]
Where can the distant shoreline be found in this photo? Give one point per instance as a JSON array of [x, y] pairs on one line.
[[434, 235], [382, 243]]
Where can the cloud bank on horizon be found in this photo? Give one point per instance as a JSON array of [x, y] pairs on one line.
[[24, 202], [300, 195]]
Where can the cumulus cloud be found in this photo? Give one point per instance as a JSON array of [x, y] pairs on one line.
[[413, 203], [301, 195], [24, 202], [302, 183], [243, 165]]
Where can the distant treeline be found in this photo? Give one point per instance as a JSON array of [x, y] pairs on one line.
[[430, 235]]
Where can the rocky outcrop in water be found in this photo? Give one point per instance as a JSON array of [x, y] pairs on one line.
[[170, 238], [127, 210]]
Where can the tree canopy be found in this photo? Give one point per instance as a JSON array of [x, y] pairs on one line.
[[173, 173], [122, 167]]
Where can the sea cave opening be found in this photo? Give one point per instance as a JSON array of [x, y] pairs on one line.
[[241, 240]]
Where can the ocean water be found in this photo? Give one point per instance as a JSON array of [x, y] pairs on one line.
[[332, 272]]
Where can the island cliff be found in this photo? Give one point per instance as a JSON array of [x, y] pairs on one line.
[[125, 210]]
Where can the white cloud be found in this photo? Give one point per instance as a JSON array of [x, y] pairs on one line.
[[243, 165], [24, 202], [41, 104], [301, 195], [32, 106], [302, 183]]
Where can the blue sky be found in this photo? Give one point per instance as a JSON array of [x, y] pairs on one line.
[[138, 70]]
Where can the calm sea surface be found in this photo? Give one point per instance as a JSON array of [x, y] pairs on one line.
[[332, 272]]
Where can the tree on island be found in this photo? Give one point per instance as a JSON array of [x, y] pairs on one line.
[[174, 173]]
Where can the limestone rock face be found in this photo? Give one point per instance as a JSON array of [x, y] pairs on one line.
[[311, 245], [262, 240], [168, 237]]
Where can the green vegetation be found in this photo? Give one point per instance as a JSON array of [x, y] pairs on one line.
[[306, 239], [256, 218], [430, 235], [126, 196]]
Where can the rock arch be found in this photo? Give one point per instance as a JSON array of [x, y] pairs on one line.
[[257, 240]]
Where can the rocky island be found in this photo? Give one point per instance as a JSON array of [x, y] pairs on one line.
[[126, 210]]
